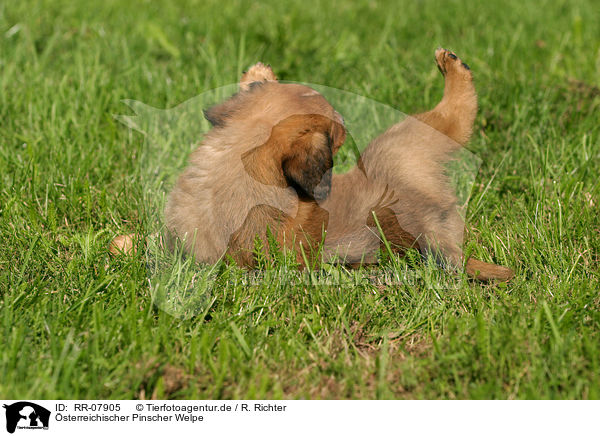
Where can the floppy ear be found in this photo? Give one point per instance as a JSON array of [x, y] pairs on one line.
[[338, 133], [258, 72], [294, 155]]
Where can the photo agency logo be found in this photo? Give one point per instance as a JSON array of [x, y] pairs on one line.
[[25, 415], [323, 180]]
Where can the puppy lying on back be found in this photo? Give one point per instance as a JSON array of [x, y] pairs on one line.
[[266, 167]]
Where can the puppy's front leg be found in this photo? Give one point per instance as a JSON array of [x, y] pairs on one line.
[[260, 220], [301, 234]]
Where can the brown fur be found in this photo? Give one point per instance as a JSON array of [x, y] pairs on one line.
[[408, 160], [266, 165]]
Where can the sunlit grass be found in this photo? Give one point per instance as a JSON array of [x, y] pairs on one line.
[[77, 323]]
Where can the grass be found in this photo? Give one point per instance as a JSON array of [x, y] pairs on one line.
[[77, 323]]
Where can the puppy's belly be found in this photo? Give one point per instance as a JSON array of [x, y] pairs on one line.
[[349, 236]]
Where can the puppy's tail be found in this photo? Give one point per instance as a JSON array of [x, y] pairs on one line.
[[484, 271]]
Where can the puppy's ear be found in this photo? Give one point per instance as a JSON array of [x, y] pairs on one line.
[[297, 154], [337, 133], [256, 73], [302, 146], [218, 114]]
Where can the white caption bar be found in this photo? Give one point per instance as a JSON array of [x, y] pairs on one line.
[[24, 417]]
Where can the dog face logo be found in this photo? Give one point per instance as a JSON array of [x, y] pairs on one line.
[[26, 415]]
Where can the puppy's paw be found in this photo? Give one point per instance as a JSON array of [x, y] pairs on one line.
[[484, 271], [258, 72], [450, 64], [122, 245]]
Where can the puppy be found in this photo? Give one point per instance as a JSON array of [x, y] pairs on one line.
[[265, 167], [260, 169]]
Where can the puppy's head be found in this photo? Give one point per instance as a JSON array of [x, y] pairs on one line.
[[304, 145], [299, 153], [304, 131]]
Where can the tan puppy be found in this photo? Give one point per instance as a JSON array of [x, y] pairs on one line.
[[265, 167], [260, 168]]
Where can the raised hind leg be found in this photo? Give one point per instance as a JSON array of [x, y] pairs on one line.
[[454, 116], [409, 158], [455, 113]]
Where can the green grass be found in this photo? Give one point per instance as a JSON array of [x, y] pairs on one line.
[[76, 323]]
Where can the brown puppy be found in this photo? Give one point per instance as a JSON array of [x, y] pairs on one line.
[[265, 167], [260, 169]]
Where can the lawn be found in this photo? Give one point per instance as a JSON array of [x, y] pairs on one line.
[[76, 322]]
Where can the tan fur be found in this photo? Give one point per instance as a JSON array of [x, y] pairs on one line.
[[122, 245], [265, 166], [249, 172], [408, 160], [258, 73]]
